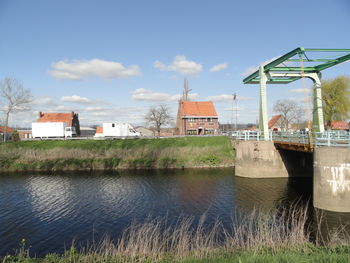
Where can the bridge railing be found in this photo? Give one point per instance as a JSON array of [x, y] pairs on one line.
[[317, 139]]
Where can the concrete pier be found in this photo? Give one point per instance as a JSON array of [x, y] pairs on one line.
[[258, 159], [332, 179], [261, 159]]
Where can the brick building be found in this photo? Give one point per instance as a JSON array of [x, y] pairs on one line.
[[70, 118], [6, 132], [196, 118], [276, 123]]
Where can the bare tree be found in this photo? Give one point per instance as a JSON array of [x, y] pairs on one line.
[[14, 98], [291, 112], [158, 116]]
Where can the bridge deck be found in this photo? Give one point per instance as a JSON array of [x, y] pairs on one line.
[[294, 146], [296, 141]]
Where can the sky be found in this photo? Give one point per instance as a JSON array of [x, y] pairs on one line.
[[113, 60]]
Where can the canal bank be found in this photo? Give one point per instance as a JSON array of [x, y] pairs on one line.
[[68, 155]]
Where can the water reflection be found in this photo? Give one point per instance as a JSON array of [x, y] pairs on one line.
[[52, 210], [50, 197], [264, 194]]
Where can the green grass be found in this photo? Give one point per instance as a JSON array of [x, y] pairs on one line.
[[123, 144], [182, 152], [310, 254]]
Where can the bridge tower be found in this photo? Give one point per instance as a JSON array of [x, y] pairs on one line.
[[289, 68]]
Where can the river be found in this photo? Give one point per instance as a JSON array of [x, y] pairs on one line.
[[51, 211]]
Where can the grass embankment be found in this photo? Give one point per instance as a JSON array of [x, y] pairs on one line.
[[283, 236], [184, 152]]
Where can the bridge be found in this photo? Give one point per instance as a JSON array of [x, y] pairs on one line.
[[321, 153], [297, 141]]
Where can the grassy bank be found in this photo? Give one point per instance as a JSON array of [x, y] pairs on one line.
[[184, 152], [281, 236], [311, 254]]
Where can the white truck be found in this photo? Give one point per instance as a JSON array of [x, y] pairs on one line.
[[52, 130], [118, 129]]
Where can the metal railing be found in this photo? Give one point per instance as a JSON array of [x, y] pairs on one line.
[[318, 139]]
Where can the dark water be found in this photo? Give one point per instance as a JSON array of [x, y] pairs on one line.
[[50, 211]]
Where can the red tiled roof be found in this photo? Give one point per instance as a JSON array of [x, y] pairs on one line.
[[56, 117], [99, 129], [339, 125], [8, 129], [273, 120], [198, 108]]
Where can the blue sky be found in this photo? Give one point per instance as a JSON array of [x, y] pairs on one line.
[[112, 60]]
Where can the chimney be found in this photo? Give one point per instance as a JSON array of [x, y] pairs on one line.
[[40, 114]]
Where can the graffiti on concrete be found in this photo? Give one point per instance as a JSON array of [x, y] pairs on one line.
[[340, 178]]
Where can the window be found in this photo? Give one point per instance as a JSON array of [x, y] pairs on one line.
[[191, 132], [113, 125], [208, 132]]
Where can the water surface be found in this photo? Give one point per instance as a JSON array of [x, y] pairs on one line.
[[51, 211]]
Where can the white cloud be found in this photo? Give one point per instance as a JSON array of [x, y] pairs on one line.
[[149, 95], [76, 99], [233, 109], [181, 65], [300, 90], [44, 100], [226, 97], [219, 67], [94, 109], [101, 113], [79, 69], [252, 69], [302, 99]]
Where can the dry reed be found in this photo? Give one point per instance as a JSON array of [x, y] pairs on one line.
[[157, 240]]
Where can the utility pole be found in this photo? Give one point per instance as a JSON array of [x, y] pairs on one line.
[[186, 91], [235, 100]]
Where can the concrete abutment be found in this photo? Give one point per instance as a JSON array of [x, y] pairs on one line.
[[261, 159], [329, 166], [332, 179]]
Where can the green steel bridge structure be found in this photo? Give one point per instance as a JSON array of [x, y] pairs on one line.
[[297, 64]]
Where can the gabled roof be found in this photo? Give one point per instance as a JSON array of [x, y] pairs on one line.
[[56, 117], [8, 129], [273, 120], [198, 108], [339, 125]]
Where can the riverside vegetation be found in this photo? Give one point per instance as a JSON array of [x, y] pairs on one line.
[[60, 155], [280, 236]]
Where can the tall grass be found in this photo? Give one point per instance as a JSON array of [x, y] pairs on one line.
[[275, 233], [119, 154]]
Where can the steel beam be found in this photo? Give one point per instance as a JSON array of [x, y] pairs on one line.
[[263, 122]]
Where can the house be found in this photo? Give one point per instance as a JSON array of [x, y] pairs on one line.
[[167, 132], [338, 125], [71, 119], [6, 132], [144, 131], [87, 131], [276, 123], [24, 134], [196, 118]]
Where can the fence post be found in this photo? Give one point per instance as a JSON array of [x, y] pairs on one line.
[[328, 138]]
